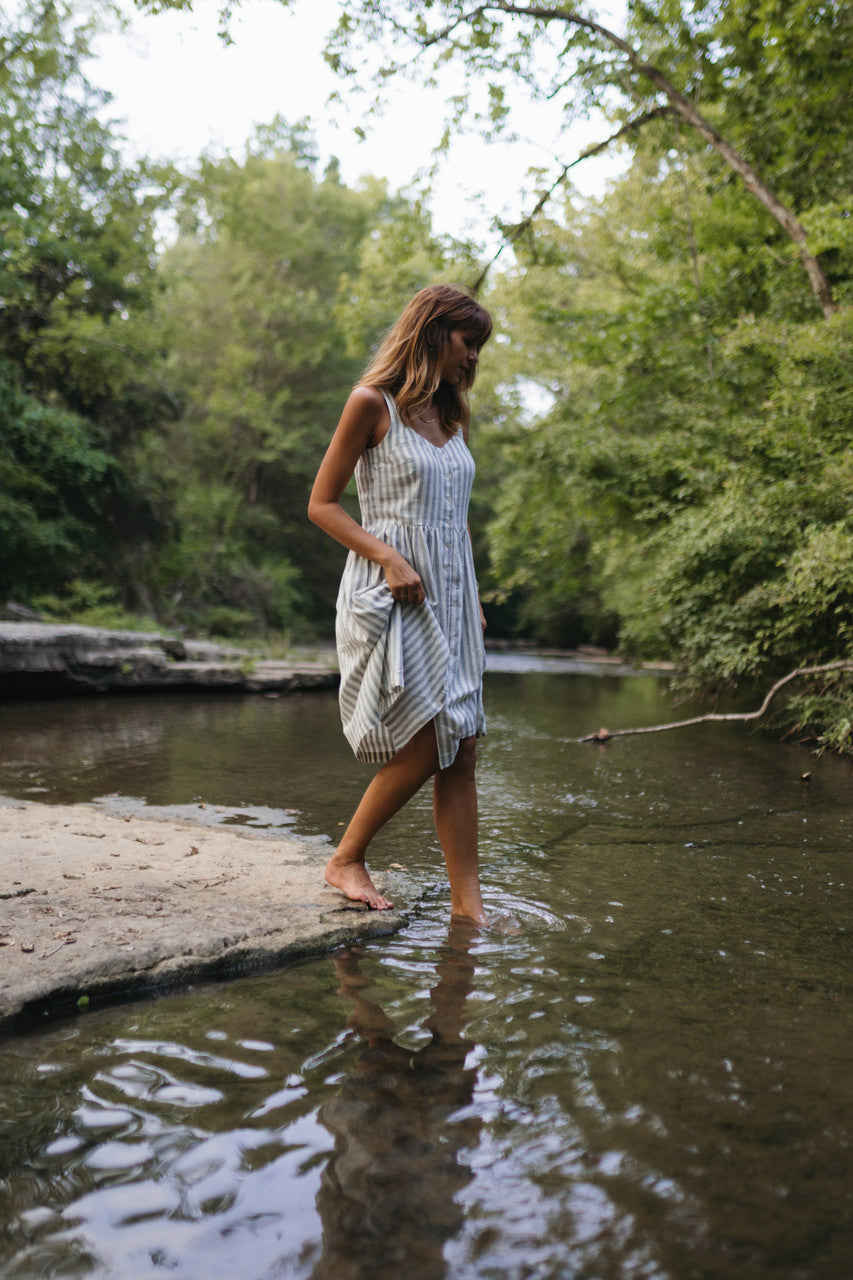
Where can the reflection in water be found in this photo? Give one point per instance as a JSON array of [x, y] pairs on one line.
[[663, 1087], [389, 1194]]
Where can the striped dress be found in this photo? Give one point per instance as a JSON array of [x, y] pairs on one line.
[[403, 665]]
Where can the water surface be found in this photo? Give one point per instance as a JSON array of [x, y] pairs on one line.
[[644, 1071]]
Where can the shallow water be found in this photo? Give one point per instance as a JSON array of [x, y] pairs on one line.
[[644, 1069]]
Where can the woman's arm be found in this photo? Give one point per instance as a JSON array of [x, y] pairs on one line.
[[361, 421]]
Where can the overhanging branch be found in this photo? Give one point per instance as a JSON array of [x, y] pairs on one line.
[[685, 108], [26, 36], [513, 233], [604, 735]]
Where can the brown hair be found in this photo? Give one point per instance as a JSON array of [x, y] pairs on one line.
[[412, 352]]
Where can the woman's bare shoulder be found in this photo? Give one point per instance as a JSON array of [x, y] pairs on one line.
[[366, 397], [368, 403]]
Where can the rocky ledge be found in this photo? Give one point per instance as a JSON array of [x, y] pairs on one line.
[[44, 658], [97, 905]]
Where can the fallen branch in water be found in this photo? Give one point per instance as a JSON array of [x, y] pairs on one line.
[[604, 735]]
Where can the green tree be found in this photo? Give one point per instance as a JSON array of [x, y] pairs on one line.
[[279, 282], [673, 57], [77, 279], [692, 475]]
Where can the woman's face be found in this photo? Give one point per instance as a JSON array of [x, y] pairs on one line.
[[461, 358]]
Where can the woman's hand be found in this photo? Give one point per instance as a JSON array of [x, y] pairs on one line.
[[404, 583]]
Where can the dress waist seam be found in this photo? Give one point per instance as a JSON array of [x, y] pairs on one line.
[[414, 524]]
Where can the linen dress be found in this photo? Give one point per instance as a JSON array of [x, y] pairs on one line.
[[403, 665]]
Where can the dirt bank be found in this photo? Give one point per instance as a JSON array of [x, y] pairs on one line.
[[93, 904]]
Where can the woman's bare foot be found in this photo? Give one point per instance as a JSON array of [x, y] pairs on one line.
[[352, 879], [473, 919]]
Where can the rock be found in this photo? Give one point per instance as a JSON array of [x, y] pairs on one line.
[[12, 612], [43, 658], [111, 904]]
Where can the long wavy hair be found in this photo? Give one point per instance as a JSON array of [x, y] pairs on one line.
[[412, 353]]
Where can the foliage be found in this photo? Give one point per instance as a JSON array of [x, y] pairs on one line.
[[279, 281], [696, 456], [743, 64], [91, 604], [824, 714], [54, 475], [662, 421], [77, 279]]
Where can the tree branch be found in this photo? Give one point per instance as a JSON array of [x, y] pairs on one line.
[[762, 192], [604, 735], [514, 232], [81, 342], [26, 36]]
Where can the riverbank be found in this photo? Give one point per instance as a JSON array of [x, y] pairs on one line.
[[44, 659], [97, 905]]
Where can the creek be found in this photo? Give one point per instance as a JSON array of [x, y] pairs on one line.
[[642, 1071]]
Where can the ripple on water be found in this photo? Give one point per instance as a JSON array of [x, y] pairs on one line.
[[136, 1071], [588, 1087], [110, 1156], [510, 913]]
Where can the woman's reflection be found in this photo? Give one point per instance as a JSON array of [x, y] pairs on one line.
[[388, 1198]]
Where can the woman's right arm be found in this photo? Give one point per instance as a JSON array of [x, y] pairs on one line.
[[362, 416]]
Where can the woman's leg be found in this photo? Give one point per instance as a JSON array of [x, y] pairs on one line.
[[454, 808], [394, 784]]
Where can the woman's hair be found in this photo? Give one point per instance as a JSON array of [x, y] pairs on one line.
[[412, 353]]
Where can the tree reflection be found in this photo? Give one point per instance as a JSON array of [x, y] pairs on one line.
[[388, 1200]]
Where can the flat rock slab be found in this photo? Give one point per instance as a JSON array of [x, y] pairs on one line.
[[51, 658], [93, 904]]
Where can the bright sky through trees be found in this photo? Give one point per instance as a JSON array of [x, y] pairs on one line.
[[180, 90]]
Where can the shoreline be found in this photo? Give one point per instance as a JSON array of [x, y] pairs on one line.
[[39, 659], [98, 905]]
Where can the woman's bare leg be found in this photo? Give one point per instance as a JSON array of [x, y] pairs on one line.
[[454, 808], [394, 784]]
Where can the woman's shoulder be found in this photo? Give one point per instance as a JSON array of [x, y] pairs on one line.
[[367, 397], [370, 405]]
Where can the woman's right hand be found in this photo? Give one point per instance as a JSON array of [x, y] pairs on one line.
[[404, 583]]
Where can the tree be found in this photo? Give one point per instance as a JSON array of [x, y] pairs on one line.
[[77, 279], [280, 281], [691, 475], [672, 56]]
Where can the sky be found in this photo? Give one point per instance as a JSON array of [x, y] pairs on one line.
[[179, 90]]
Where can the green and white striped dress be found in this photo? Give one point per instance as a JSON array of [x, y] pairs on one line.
[[403, 665]]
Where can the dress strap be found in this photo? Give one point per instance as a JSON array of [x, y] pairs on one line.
[[392, 408]]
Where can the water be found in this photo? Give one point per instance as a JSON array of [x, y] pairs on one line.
[[644, 1072]]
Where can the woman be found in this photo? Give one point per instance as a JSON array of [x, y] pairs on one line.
[[409, 622]]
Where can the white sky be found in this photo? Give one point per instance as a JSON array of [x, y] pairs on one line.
[[179, 90]]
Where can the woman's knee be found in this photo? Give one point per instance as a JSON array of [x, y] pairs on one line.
[[465, 762]]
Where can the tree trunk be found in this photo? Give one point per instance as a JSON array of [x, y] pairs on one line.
[[783, 215]]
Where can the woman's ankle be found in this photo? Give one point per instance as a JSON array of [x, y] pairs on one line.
[[343, 857]]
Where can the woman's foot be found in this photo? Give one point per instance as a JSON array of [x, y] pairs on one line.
[[351, 878], [473, 918]]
